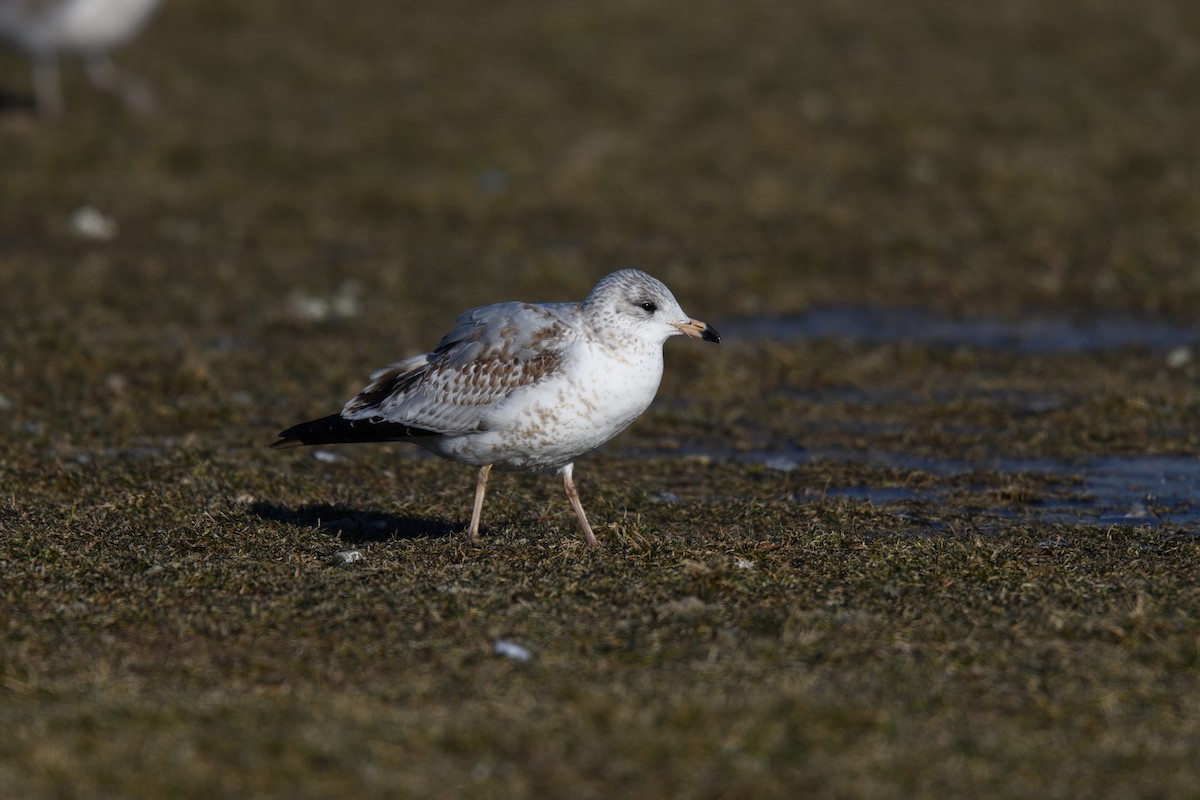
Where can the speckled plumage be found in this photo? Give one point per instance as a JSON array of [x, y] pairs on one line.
[[522, 386]]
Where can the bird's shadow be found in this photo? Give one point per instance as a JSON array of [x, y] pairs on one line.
[[352, 525]]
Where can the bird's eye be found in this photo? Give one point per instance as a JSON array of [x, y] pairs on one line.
[[648, 307]]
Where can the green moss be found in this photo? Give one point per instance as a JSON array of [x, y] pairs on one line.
[[171, 619]]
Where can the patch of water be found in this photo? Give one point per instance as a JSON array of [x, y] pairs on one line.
[[1031, 334], [1138, 489], [1155, 490], [875, 495]]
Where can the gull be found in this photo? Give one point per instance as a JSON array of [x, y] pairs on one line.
[[522, 386], [83, 29]]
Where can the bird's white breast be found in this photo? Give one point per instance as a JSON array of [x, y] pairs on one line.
[[596, 395]]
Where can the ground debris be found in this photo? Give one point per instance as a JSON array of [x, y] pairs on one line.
[[685, 608], [88, 222], [511, 650], [346, 557]]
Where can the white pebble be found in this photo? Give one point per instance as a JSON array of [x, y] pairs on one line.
[[347, 557], [512, 650], [307, 308], [90, 223], [345, 303], [1179, 357], [781, 463]]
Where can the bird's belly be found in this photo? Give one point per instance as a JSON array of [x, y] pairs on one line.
[[87, 27], [547, 426]]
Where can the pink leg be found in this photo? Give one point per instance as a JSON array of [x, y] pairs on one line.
[[573, 496], [136, 93], [480, 490], [47, 91]]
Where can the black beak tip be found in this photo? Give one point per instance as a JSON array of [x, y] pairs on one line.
[[710, 335]]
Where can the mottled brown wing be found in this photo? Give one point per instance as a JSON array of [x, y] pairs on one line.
[[492, 352]]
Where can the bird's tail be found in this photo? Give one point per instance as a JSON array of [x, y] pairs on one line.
[[336, 429]]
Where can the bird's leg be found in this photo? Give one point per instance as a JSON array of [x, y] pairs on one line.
[[47, 91], [573, 496], [480, 490], [104, 74]]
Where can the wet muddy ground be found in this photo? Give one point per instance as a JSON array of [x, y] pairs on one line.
[[925, 523]]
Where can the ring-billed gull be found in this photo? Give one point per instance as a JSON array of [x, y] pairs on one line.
[[522, 386], [84, 29]]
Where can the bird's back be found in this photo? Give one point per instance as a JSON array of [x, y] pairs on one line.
[[491, 353]]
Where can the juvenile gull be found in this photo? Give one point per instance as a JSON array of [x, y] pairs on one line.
[[522, 386], [83, 29]]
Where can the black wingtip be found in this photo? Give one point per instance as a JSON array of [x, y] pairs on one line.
[[336, 429]]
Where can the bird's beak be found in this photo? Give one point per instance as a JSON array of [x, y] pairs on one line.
[[698, 330]]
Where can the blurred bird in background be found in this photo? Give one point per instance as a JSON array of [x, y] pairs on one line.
[[86, 30]]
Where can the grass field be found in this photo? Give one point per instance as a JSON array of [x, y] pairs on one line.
[[321, 191]]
